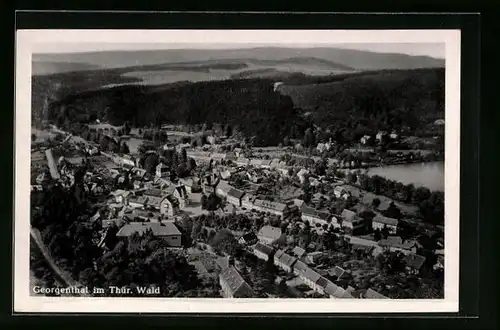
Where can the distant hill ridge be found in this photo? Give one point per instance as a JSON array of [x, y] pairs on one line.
[[342, 58]]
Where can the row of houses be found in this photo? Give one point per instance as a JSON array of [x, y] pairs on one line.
[[297, 266], [348, 220]]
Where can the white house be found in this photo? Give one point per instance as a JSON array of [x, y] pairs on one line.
[[380, 222]]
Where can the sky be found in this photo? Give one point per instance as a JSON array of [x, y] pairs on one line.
[[436, 50]]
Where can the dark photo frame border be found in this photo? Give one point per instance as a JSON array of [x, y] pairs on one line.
[[470, 131]]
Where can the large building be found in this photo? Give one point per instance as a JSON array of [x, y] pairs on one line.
[[268, 234], [167, 230], [233, 285], [314, 216], [276, 208]]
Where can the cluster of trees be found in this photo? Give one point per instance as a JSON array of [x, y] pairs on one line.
[[179, 163], [105, 140], [63, 220], [155, 135], [146, 261], [431, 204]]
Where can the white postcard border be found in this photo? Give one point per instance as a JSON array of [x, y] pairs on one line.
[[26, 40]]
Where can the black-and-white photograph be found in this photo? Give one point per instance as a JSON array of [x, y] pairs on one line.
[[224, 168]]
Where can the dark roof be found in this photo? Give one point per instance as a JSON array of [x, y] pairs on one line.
[[266, 249], [322, 282], [173, 200], [385, 220], [414, 261], [249, 236], [364, 248], [235, 282], [285, 258], [159, 229], [336, 291], [182, 190], [312, 275], [315, 213], [233, 192]]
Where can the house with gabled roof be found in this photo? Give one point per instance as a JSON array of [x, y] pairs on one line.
[[235, 196], [248, 200], [137, 201], [311, 278], [263, 251], [166, 230], [233, 285], [242, 161], [336, 292], [298, 252], [380, 222], [351, 222], [169, 206], [266, 163], [314, 216], [284, 261], [338, 273], [414, 263], [223, 188]]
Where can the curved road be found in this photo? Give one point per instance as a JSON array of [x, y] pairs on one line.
[[37, 238]]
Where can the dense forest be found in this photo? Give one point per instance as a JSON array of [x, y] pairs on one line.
[[370, 101], [351, 104], [252, 105]]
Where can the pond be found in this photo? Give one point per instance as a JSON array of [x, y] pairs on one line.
[[429, 175]]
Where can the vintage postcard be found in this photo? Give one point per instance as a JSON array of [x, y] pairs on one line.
[[232, 171]]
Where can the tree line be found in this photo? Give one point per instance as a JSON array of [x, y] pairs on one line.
[[430, 203]]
